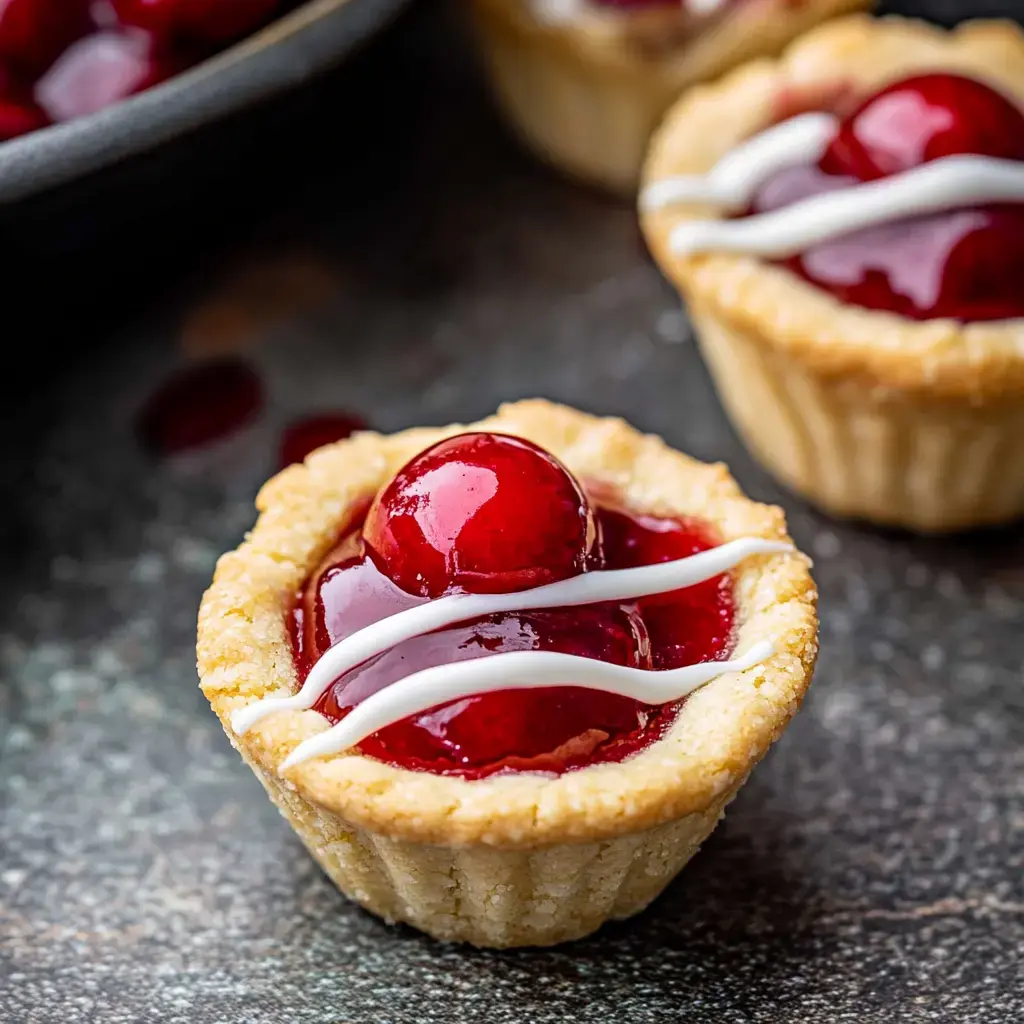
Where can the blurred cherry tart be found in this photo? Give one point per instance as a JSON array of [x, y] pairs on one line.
[[536, 656], [854, 270], [585, 82]]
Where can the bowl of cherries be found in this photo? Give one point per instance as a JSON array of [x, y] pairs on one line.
[[85, 83]]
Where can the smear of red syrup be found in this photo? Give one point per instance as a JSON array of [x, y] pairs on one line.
[[554, 729]]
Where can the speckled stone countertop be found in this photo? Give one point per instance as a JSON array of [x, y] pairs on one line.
[[421, 272]]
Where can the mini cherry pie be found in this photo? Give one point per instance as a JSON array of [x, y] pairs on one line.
[[854, 267], [585, 82], [503, 679]]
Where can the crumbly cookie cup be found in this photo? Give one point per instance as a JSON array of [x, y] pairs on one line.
[[518, 859], [588, 105], [931, 464], [490, 897]]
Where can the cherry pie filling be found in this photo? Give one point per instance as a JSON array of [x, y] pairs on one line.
[[966, 264], [488, 513]]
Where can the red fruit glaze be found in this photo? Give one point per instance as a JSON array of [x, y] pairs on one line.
[[963, 264], [921, 119], [482, 513], [305, 436], [33, 33], [685, 626], [554, 729], [200, 405], [100, 70], [209, 21]]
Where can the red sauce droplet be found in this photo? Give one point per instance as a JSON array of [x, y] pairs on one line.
[[200, 405], [306, 435], [554, 729], [965, 264]]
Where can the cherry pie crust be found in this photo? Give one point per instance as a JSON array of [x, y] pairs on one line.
[[909, 418], [517, 857]]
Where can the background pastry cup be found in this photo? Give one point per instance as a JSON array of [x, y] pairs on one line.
[[587, 101], [520, 860], [856, 449], [867, 414]]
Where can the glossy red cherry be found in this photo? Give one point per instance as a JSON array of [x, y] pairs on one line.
[[18, 113], [101, 70], [921, 119], [210, 21], [33, 33], [483, 513]]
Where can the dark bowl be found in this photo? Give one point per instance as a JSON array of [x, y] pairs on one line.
[[286, 53]]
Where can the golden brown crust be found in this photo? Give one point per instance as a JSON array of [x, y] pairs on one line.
[[244, 653], [937, 359]]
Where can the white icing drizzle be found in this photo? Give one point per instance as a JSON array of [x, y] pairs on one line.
[[734, 180], [514, 670], [587, 588], [945, 184]]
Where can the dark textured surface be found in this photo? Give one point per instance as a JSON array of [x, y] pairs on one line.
[[870, 871]]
